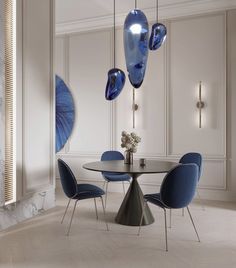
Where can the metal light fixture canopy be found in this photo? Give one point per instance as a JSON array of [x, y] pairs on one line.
[[116, 77], [158, 34]]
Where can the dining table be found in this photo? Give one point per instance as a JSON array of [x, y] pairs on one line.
[[132, 207]]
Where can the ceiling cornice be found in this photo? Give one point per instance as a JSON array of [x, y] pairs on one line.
[[184, 8]]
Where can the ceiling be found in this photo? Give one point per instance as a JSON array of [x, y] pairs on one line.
[[72, 10], [83, 15]]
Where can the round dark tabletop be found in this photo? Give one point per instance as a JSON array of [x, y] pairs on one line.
[[152, 166]]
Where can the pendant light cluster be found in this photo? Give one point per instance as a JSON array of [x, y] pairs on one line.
[[136, 46]]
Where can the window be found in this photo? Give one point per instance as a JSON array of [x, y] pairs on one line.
[[10, 102]]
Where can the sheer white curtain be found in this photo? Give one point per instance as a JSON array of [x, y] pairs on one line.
[[2, 107]]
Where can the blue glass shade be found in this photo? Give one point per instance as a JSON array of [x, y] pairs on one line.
[[158, 36], [136, 46], [115, 83], [65, 113]]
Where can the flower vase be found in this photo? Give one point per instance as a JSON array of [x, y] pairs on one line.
[[128, 158]]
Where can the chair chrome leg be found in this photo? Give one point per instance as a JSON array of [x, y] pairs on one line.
[[103, 184], [65, 211], [106, 194], [183, 212], [193, 224], [72, 217], [123, 187], [104, 214], [165, 229], [199, 197], [140, 224], [96, 210], [170, 218]]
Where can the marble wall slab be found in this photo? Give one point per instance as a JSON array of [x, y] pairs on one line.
[[25, 209]]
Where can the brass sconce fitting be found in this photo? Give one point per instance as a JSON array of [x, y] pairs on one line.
[[200, 104], [135, 107]]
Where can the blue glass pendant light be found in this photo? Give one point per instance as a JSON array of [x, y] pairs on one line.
[[65, 113], [158, 34], [136, 45], [116, 77]]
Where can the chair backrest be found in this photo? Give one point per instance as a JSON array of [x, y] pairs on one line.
[[68, 180], [112, 155], [179, 186], [195, 158]]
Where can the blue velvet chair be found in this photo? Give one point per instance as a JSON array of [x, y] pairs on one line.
[[194, 158], [76, 191], [110, 176], [189, 158], [177, 191]]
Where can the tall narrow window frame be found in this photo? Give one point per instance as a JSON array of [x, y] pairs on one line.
[[10, 102]]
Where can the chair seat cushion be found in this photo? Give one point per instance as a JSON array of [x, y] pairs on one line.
[[155, 199], [109, 176], [85, 191]]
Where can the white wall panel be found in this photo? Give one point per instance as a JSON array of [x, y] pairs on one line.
[[197, 53], [231, 102], [60, 57], [37, 94], [89, 62], [150, 97], [213, 175], [76, 163]]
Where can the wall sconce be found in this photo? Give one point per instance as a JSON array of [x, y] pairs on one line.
[[134, 107], [200, 104]]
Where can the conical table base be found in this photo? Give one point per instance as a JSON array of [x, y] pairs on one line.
[[130, 211]]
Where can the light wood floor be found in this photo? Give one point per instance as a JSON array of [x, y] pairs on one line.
[[41, 242]]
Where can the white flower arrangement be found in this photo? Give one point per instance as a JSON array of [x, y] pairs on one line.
[[130, 141]]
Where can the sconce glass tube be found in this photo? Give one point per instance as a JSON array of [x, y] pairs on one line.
[[134, 107], [200, 104]]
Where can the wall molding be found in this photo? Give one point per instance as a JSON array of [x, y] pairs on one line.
[[96, 157], [212, 185], [222, 155], [168, 11], [110, 108], [137, 156]]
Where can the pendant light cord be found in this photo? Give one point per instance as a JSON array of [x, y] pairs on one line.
[[135, 4], [114, 32], [157, 11]]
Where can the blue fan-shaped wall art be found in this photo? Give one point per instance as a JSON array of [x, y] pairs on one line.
[[65, 113]]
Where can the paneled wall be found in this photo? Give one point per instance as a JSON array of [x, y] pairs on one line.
[[167, 118], [82, 61], [37, 95]]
